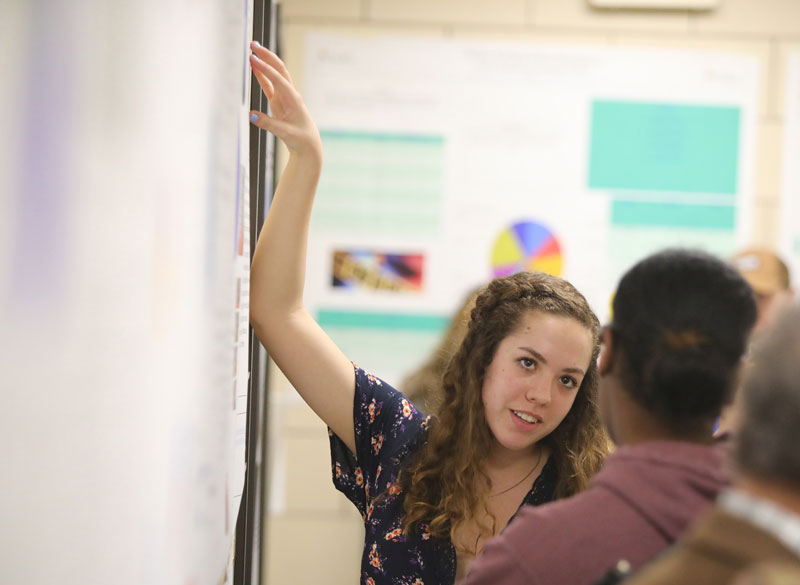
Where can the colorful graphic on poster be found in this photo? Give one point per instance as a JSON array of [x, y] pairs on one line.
[[375, 270], [526, 245]]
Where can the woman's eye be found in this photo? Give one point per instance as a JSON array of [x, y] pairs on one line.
[[569, 381], [527, 363]]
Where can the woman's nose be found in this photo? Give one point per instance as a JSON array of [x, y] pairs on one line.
[[539, 392]]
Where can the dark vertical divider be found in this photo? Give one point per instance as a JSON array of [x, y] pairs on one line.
[[250, 529]]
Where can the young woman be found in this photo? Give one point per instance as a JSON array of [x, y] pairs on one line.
[[518, 423]]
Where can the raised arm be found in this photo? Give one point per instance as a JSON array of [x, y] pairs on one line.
[[317, 369]]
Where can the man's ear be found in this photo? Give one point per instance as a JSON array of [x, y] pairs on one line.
[[607, 351]]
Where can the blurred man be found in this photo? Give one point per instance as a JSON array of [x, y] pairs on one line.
[[769, 277], [759, 520]]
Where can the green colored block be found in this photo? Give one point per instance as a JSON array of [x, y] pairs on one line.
[[380, 136], [664, 147], [674, 215], [393, 321]]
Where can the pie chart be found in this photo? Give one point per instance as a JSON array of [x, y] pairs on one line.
[[526, 245]]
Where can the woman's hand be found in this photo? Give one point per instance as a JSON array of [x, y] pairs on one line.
[[290, 120]]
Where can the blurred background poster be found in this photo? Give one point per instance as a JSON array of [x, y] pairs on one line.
[[483, 158]]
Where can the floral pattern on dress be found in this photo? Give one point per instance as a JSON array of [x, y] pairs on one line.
[[388, 430]]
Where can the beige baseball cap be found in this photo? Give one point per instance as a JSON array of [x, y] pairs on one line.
[[765, 272]]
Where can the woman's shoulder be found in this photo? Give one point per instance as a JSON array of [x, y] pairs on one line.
[[369, 386], [379, 401]]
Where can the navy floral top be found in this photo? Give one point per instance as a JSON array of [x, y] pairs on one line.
[[388, 430]]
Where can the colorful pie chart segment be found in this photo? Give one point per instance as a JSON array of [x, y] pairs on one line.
[[526, 245]]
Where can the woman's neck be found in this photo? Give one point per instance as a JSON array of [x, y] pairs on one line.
[[502, 462]]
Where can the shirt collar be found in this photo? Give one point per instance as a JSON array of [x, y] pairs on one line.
[[770, 517]]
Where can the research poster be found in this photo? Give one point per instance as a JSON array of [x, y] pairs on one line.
[[450, 162], [124, 273]]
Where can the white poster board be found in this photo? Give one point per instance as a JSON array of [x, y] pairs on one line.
[[124, 284], [449, 162]]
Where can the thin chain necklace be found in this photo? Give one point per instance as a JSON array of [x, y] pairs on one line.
[[527, 475]]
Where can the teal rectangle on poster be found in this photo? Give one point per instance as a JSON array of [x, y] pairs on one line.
[[379, 136], [391, 321], [664, 147], [675, 215]]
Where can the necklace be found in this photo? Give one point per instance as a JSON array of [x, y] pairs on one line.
[[527, 475]]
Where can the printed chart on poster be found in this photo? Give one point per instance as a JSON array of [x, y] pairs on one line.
[[574, 160], [526, 245], [790, 201]]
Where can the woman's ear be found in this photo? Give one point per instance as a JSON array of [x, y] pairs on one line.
[[606, 360]]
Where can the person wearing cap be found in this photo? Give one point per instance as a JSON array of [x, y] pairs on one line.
[[769, 278]]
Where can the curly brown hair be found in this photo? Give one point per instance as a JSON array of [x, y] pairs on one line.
[[445, 484], [423, 387]]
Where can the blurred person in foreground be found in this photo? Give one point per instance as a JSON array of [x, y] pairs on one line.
[[670, 359], [769, 573], [752, 535]]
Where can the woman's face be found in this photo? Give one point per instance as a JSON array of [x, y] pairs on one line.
[[534, 377]]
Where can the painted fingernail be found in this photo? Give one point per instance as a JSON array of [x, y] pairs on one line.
[[254, 118], [256, 43]]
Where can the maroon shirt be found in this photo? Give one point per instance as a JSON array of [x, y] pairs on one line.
[[641, 501]]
